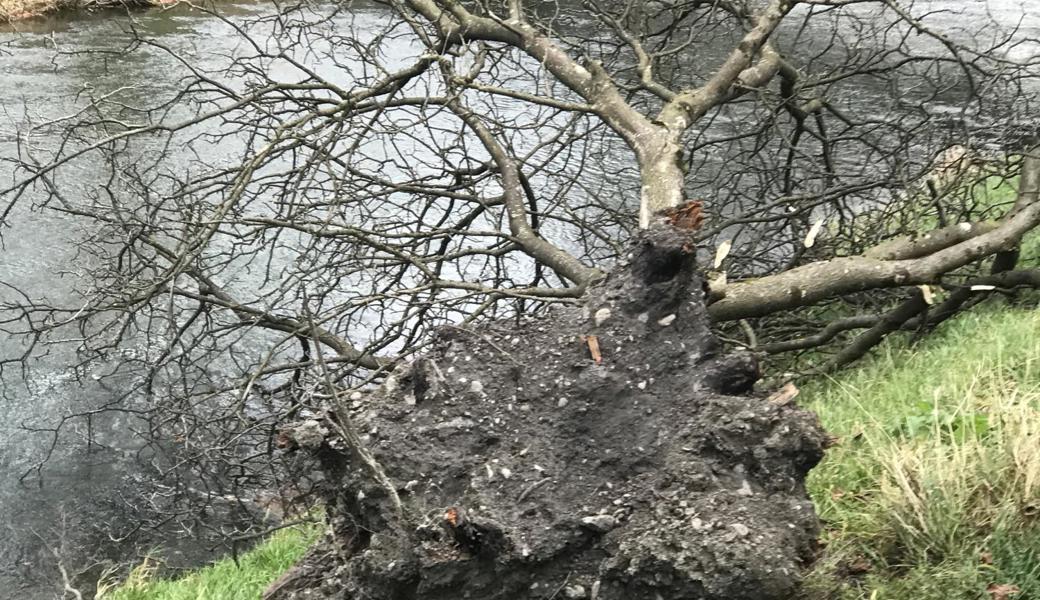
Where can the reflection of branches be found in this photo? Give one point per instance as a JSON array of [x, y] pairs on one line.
[[60, 553]]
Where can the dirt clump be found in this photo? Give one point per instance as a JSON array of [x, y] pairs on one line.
[[607, 450]]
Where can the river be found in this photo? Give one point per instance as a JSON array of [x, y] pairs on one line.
[[42, 516], [73, 508]]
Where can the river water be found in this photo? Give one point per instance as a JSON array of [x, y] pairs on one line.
[[73, 508], [39, 515]]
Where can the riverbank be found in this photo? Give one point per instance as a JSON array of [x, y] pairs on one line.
[[20, 10], [931, 494], [933, 491]]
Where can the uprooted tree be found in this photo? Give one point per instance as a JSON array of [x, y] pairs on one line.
[[606, 450], [362, 173]]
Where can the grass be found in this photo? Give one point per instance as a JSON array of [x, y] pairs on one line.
[[934, 490], [223, 580]]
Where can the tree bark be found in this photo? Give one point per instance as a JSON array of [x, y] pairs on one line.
[[817, 281]]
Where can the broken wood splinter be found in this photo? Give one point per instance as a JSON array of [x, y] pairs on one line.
[[593, 343]]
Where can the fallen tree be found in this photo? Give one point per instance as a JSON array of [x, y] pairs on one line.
[[607, 450], [302, 218]]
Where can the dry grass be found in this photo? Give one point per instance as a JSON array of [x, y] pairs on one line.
[[14, 10], [19, 10], [934, 492]]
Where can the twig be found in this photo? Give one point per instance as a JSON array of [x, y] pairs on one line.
[[344, 426], [527, 491], [65, 577], [593, 342]]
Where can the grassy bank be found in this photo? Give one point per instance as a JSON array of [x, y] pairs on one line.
[[224, 580], [934, 490]]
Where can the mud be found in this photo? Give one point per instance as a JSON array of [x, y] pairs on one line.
[[531, 466]]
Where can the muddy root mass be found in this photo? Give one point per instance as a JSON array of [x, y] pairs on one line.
[[606, 451]]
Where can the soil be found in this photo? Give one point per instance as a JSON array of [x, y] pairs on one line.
[[529, 465]]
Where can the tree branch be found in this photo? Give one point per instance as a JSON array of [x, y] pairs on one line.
[[811, 283]]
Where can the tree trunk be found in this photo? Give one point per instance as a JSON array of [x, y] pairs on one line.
[[661, 175]]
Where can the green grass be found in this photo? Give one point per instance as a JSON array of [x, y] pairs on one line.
[[934, 489], [223, 580]]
